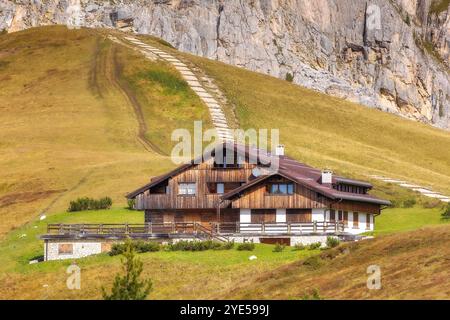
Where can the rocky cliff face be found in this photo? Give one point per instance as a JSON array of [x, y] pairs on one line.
[[388, 54]]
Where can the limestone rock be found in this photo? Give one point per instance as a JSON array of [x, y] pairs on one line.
[[388, 54]]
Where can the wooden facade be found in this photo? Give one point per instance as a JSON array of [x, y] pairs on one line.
[[209, 185]]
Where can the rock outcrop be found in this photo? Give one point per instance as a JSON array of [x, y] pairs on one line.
[[388, 54]]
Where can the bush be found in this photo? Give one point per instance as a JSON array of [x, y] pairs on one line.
[[431, 204], [131, 203], [313, 262], [246, 246], [83, 204], [289, 77], [314, 246], [279, 247], [185, 245], [446, 213], [315, 295], [227, 246], [298, 247], [139, 246], [409, 203], [332, 242]]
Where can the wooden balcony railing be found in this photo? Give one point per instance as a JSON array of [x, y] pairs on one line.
[[279, 228], [194, 228]]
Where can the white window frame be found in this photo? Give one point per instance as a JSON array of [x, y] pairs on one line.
[[187, 189]]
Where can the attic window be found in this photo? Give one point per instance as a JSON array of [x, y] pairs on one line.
[[281, 188]]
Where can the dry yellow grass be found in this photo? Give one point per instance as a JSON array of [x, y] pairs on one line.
[[414, 265], [323, 131], [69, 122]]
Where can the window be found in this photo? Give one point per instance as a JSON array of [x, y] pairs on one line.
[[65, 248], [367, 221], [332, 215], [340, 217], [346, 218], [281, 188], [220, 188], [187, 189], [355, 220]]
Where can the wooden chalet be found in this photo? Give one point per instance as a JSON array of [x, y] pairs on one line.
[[244, 196], [235, 194]]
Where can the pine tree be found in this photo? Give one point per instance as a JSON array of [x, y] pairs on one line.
[[129, 286]]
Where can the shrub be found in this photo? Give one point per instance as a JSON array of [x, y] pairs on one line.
[[313, 262], [299, 246], [289, 77], [278, 247], [83, 204], [246, 246], [185, 245], [138, 246], [226, 246], [131, 203], [431, 204], [146, 246], [314, 246], [332, 242], [409, 203], [315, 295], [446, 213]]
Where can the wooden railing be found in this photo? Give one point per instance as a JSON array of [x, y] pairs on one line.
[[195, 228], [279, 228]]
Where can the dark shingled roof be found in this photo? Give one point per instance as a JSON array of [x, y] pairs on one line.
[[290, 169]]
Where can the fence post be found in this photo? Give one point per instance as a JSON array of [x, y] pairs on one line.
[[336, 228], [314, 226], [263, 227], [289, 228]]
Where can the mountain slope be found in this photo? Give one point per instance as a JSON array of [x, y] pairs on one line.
[[389, 54], [71, 128], [68, 107], [413, 265]]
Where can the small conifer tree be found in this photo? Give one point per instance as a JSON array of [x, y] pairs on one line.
[[129, 286]]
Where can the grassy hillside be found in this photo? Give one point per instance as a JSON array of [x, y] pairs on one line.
[[176, 275], [82, 116], [180, 275], [414, 265], [329, 132]]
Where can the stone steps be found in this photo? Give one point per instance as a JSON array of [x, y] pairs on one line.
[[427, 192], [215, 110]]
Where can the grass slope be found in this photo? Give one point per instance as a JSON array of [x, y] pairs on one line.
[[414, 265], [74, 121], [176, 275], [329, 132], [70, 128]]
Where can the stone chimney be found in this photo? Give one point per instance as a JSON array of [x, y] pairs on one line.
[[327, 177], [279, 151]]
